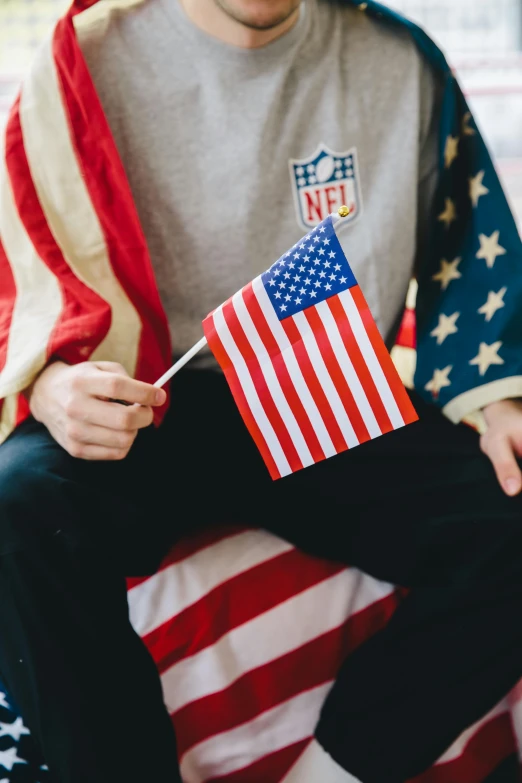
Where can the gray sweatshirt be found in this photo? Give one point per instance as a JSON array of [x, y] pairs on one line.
[[232, 154]]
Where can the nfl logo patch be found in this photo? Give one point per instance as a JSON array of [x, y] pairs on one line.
[[324, 182]]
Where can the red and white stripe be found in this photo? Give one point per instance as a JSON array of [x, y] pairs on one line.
[[77, 281], [248, 634], [309, 386]]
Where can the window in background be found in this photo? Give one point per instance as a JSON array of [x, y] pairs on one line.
[[483, 42], [23, 25]]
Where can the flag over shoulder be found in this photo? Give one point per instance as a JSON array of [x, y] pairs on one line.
[[304, 359]]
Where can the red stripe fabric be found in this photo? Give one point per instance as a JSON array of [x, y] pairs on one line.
[[396, 385], [256, 593], [492, 743], [8, 287], [269, 768], [294, 401], [85, 316], [336, 374], [354, 352], [7, 303], [310, 665], [81, 5], [265, 396], [407, 335], [111, 197], [230, 373], [314, 384]]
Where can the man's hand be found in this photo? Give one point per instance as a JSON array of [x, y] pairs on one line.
[[74, 403], [502, 442]]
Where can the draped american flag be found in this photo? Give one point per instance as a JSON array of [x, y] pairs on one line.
[[243, 680], [304, 359]]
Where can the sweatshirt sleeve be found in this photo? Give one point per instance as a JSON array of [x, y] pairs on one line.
[[469, 270]]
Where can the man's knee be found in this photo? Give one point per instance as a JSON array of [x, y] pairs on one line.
[[33, 469]]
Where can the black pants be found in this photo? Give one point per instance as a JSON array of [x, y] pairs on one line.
[[419, 507]]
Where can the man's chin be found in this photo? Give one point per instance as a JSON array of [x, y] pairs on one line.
[[256, 15]]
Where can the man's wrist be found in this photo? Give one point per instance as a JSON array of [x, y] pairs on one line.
[[29, 391]]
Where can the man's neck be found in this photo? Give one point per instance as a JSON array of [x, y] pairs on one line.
[[210, 18]]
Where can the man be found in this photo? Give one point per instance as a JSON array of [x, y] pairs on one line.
[[239, 123]]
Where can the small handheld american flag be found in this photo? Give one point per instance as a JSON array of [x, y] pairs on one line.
[[303, 357]]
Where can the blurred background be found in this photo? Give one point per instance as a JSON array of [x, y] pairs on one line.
[[482, 39]]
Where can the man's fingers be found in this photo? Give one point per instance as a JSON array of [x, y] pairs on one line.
[[501, 453], [97, 453], [115, 367], [91, 435], [121, 387], [111, 415]]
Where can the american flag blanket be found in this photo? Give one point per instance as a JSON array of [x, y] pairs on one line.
[[248, 634]]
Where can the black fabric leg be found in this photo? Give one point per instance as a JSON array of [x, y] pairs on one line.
[[84, 682], [445, 659], [420, 508]]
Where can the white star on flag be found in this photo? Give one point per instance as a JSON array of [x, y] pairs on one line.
[[487, 355], [14, 730], [450, 213], [448, 272], [446, 326], [3, 701], [466, 130], [490, 248], [439, 381], [494, 303], [476, 188], [451, 150], [9, 757]]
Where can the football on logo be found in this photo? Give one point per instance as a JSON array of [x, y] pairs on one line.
[[324, 182]]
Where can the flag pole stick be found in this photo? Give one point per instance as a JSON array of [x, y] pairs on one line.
[[181, 362]]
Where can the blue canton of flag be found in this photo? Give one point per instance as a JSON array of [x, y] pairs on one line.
[[313, 270]]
